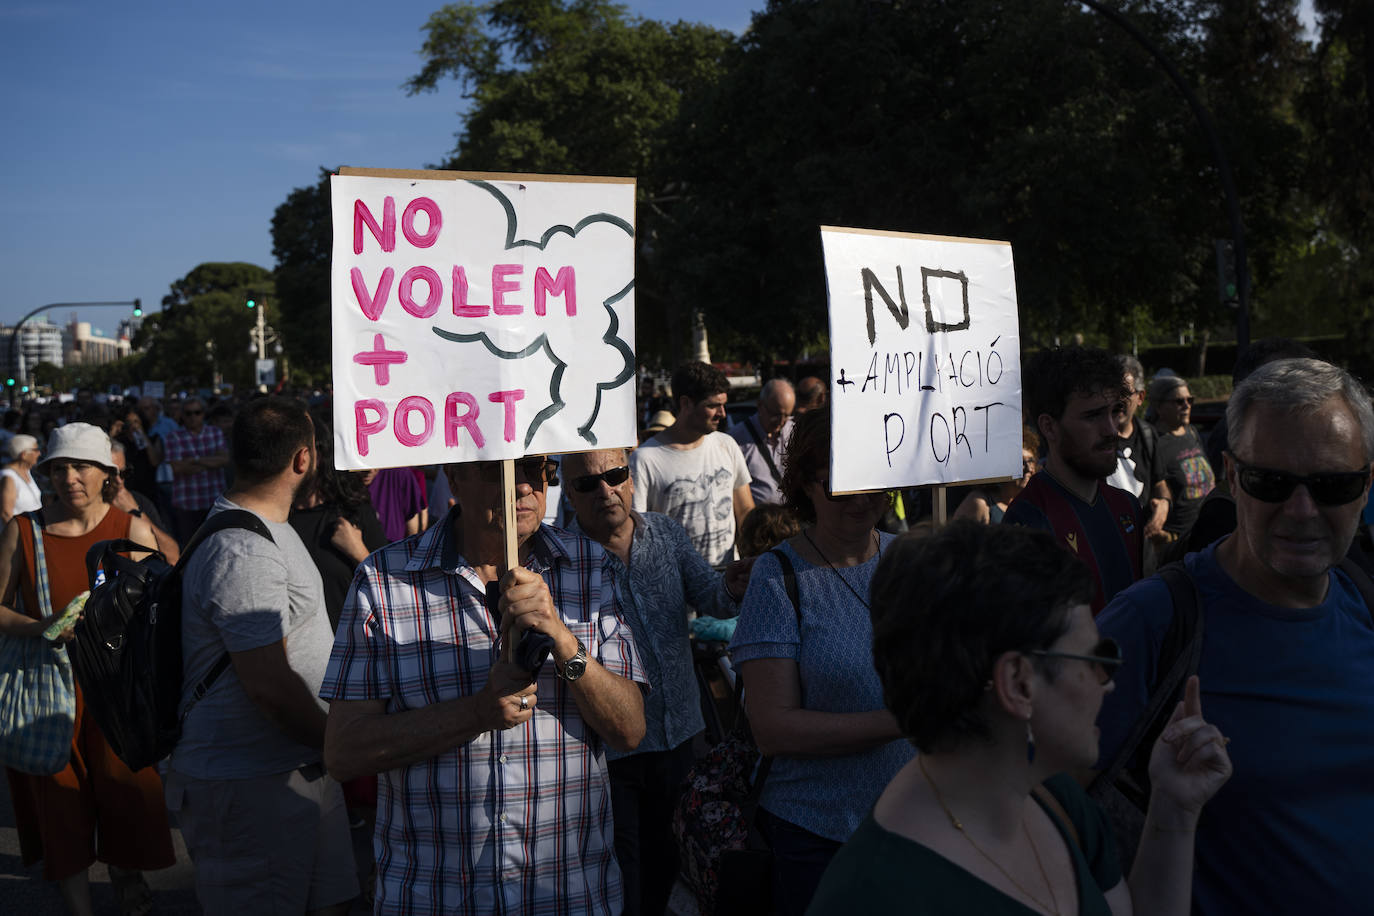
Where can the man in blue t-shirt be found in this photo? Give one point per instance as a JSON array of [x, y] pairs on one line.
[[1072, 396], [1288, 658]]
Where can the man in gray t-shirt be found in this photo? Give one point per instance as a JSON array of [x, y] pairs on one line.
[[264, 824]]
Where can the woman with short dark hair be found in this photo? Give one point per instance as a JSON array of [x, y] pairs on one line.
[[991, 663]]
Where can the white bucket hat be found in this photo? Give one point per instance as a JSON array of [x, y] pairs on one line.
[[79, 442]]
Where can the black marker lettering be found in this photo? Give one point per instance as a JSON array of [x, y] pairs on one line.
[[887, 435]]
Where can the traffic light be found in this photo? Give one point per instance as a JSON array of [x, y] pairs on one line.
[[252, 303], [138, 308], [9, 382], [25, 389]]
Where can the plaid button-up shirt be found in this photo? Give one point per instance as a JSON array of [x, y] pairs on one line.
[[515, 821], [199, 490]]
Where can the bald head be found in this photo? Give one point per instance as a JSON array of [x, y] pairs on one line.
[[776, 403], [810, 394]]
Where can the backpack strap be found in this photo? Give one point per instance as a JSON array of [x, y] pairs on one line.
[[40, 565], [1051, 802], [763, 449], [1179, 657], [1362, 582], [229, 518], [789, 582]]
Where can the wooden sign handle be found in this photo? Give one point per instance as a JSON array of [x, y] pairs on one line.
[[512, 543], [938, 510]]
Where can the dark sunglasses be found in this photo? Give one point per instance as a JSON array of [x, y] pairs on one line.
[[1334, 488], [1180, 402], [1106, 657], [536, 471], [126, 474], [589, 482]]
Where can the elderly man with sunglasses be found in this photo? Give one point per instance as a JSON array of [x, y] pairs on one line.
[[493, 791], [661, 577], [1287, 658]]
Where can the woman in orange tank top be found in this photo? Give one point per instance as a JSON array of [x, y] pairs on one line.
[[95, 808]]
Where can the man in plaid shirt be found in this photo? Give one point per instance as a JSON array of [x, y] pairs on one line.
[[493, 797], [197, 455]]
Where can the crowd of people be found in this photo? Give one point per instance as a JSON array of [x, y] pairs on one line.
[[358, 656]]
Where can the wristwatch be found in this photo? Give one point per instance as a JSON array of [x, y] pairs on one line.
[[576, 666]]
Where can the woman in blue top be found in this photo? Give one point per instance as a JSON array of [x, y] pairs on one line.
[[813, 698], [992, 664]]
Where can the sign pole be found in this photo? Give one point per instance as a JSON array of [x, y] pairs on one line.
[[939, 511], [512, 545]]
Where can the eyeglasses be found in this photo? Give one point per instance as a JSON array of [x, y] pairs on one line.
[[589, 482], [1334, 488], [1180, 402], [1106, 657], [125, 474]]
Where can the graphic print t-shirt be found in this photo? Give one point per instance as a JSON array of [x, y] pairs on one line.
[[695, 487], [1189, 475]]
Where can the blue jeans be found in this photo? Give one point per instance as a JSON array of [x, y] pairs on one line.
[[800, 858]]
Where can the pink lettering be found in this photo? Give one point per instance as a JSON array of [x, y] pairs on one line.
[[436, 219], [406, 289], [372, 305], [461, 308], [467, 419], [368, 427], [500, 286], [508, 398], [385, 233], [414, 404], [380, 359], [563, 285]]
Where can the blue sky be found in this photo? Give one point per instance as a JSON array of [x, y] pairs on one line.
[[145, 138], [142, 139]]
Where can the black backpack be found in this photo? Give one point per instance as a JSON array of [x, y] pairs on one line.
[[127, 650]]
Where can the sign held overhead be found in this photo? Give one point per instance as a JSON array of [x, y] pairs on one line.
[[480, 317], [925, 359]]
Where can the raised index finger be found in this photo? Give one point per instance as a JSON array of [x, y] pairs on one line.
[[1192, 697]]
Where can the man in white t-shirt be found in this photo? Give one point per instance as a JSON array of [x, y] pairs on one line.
[[693, 473]]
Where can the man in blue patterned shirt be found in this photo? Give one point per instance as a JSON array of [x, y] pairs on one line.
[[493, 796], [659, 575]]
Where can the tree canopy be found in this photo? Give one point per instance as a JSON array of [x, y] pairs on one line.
[[204, 326], [1034, 121]]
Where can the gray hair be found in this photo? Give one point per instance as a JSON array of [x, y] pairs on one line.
[[117, 446], [1132, 367], [1291, 385], [20, 444], [1163, 385]]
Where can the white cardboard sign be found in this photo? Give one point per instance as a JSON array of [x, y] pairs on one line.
[[925, 360], [480, 317]]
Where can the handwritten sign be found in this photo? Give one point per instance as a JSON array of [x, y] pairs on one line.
[[925, 360], [480, 317]]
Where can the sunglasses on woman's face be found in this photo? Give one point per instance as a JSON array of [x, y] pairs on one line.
[[613, 477], [1105, 657], [1334, 488]]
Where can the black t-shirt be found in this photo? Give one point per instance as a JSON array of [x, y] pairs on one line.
[[316, 527], [1189, 475]]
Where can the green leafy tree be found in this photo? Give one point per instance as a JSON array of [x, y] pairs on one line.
[[580, 88], [204, 326], [302, 243], [1036, 122]]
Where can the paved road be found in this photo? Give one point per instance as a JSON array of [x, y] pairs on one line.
[[23, 892]]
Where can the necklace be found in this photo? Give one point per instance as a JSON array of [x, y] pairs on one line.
[[1053, 907], [842, 579]]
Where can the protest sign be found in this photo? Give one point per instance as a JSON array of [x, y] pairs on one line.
[[925, 360], [480, 317]]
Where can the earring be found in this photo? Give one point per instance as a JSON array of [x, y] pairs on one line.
[[1030, 743]]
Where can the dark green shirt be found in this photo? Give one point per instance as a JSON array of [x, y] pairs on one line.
[[878, 871]]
